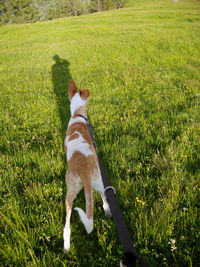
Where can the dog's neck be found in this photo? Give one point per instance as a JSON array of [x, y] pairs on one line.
[[78, 105], [79, 115], [81, 111]]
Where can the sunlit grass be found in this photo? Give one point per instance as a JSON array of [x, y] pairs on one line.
[[141, 64]]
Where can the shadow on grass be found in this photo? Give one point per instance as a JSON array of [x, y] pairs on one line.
[[60, 78]]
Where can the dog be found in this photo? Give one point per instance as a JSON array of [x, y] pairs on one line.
[[83, 167]]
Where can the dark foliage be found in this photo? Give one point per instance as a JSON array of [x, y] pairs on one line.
[[24, 11]]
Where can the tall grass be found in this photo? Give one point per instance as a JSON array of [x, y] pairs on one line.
[[141, 64]]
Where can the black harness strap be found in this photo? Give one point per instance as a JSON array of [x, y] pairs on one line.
[[130, 256]]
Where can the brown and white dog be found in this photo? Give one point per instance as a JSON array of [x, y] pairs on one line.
[[83, 167]]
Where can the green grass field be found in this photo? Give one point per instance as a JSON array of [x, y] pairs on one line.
[[142, 65]]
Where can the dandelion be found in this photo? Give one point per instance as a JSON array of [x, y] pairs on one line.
[[140, 201]]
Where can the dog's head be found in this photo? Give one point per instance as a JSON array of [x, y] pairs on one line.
[[78, 99]]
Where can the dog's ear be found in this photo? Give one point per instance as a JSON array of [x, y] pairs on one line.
[[72, 89], [84, 94]]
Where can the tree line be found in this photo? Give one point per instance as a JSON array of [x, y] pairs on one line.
[[24, 11]]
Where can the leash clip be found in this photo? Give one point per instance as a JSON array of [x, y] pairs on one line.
[[110, 187]]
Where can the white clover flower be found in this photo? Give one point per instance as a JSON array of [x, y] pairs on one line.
[[173, 248], [172, 241]]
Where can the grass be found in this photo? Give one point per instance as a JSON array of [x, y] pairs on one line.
[[142, 65]]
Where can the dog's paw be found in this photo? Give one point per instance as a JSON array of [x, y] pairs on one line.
[[66, 246], [108, 213], [66, 236]]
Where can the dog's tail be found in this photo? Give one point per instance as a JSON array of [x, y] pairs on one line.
[[87, 218]]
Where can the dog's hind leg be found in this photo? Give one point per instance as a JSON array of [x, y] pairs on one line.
[[98, 186], [106, 205], [74, 186], [87, 218]]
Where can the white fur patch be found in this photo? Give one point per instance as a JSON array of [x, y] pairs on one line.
[[79, 144], [97, 183], [76, 102], [67, 138], [88, 223], [75, 120]]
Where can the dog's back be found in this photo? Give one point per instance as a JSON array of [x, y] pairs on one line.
[[82, 164]]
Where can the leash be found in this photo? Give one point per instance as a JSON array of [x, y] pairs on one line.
[[130, 256]]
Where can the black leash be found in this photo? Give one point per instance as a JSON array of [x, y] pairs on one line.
[[130, 257]]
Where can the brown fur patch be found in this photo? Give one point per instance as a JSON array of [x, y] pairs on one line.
[[82, 166], [72, 89], [84, 94], [73, 136]]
